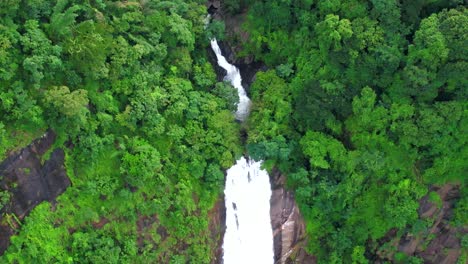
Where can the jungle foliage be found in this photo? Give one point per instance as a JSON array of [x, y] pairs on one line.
[[147, 131], [364, 109]]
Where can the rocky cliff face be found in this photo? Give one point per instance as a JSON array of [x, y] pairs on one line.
[[288, 225], [29, 182], [441, 242]]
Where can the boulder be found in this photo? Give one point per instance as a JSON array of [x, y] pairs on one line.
[[30, 182]]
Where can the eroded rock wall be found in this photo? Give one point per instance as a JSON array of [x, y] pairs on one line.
[[288, 224]]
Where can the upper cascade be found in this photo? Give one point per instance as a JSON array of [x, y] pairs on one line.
[[234, 77]]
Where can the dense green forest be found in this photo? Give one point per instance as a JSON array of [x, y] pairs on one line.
[[364, 107], [127, 86]]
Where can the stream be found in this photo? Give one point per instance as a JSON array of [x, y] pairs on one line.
[[249, 236]]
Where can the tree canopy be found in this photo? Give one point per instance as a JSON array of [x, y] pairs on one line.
[[148, 130], [369, 102]]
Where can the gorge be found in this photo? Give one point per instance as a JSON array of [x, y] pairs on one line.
[[248, 237]]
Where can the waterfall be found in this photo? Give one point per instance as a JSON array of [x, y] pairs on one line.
[[249, 236], [234, 77]]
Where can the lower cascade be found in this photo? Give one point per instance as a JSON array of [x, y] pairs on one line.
[[249, 236]]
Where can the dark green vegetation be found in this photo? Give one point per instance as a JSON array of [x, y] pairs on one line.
[[147, 132], [364, 108]]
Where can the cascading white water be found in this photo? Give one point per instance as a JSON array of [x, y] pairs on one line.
[[234, 77], [248, 237]]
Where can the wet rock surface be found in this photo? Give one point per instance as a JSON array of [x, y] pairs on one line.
[[217, 224], [288, 225], [29, 182]]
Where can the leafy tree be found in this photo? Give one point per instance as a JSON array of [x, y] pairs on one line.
[[180, 32], [43, 58], [141, 163], [216, 30], [9, 60], [332, 32], [90, 247], [70, 106], [61, 20], [88, 48], [204, 75], [228, 93]]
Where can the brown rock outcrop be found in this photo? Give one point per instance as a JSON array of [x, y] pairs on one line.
[[288, 225]]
